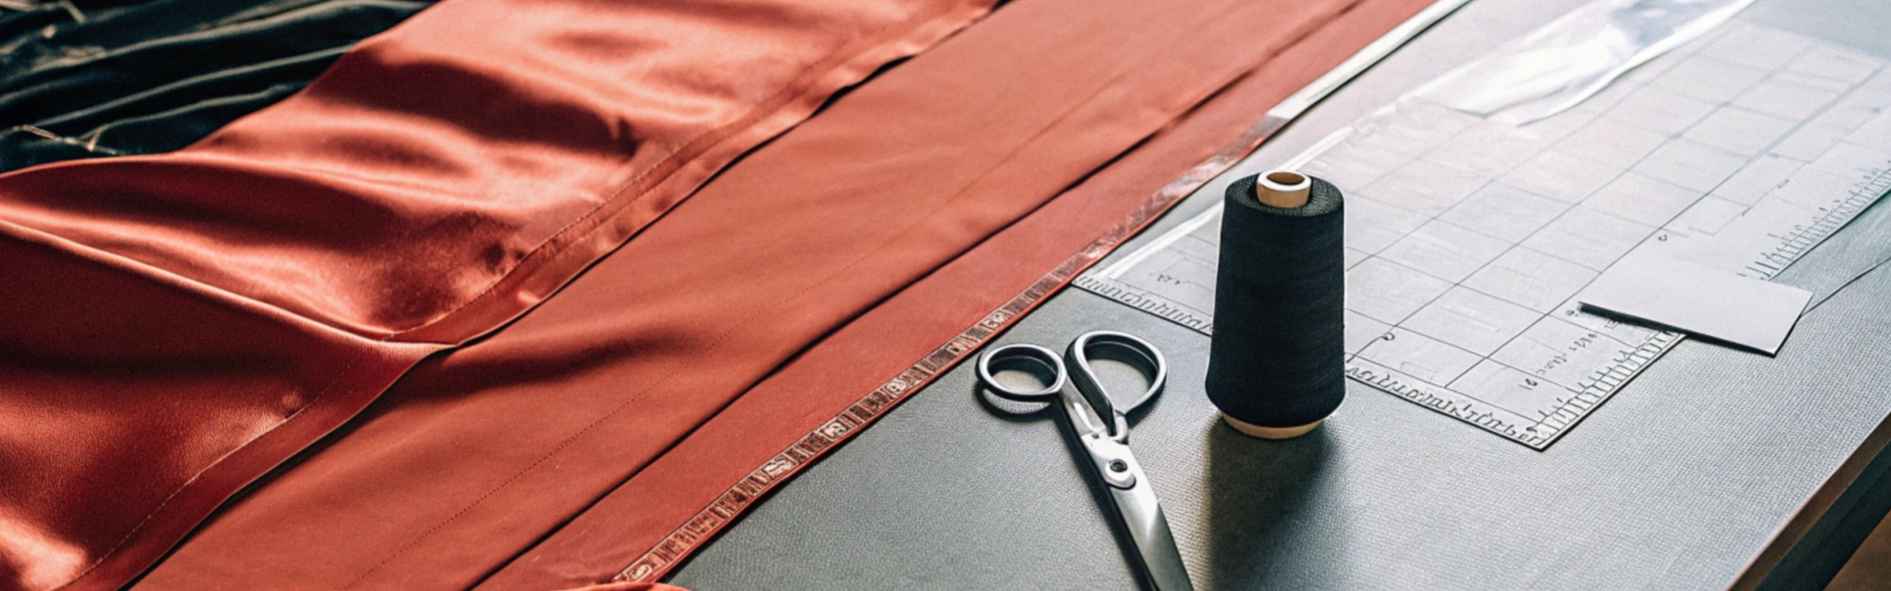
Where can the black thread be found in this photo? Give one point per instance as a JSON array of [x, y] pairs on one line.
[[1278, 352]]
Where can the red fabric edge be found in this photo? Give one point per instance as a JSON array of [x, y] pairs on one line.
[[626, 586]]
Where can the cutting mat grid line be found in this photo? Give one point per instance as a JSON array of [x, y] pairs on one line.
[[1468, 242]]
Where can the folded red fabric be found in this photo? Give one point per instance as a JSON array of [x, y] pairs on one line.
[[481, 452], [174, 326]]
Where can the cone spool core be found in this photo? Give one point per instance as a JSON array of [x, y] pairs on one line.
[[1253, 430], [1284, 189]]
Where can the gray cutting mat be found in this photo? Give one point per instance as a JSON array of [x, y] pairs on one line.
[[1467, 241]]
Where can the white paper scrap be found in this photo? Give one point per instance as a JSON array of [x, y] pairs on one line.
[[1700, 300]]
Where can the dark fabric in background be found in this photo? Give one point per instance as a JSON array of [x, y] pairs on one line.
[[86, 79]]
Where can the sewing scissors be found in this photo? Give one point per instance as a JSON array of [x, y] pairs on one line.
[[1102, 429]]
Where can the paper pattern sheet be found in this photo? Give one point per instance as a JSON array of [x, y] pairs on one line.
[[1467, 241], [1698, 300]]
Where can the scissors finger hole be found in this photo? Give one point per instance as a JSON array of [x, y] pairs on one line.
[[1024, 372], [1121, 363], [1125, 381]]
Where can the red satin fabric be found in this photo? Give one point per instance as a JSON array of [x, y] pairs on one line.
[[174, 326], [623, 385], [645, 389]]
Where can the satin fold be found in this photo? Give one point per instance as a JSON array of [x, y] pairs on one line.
[[176, 325]]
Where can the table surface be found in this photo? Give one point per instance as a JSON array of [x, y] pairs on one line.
[[1710, 461]]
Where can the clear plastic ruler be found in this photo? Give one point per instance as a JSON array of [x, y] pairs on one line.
[[1467, 241]]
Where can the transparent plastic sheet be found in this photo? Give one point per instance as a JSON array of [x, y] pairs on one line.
[[1571, 59]]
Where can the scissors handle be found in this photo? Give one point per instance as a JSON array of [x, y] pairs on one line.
[[1100, 425], [1116, 346], [1087, 407], [1038, 361]]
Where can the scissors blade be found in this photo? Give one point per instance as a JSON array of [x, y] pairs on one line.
[[1142, 516], [1140, 513]]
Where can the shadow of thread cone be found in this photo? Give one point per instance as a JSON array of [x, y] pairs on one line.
[[1260, 498]]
